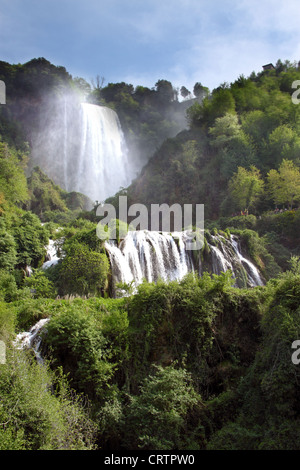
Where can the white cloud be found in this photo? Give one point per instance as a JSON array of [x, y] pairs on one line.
[[137, 41], [253, 33]]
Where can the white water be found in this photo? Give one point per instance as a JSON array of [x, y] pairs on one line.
[[153, 255], [149, 255], [31, 339], [52, 256], [253, 273], [81, 147], [102, 163]]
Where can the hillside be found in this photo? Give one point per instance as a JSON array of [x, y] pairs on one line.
[[251, 122], [205, 361]]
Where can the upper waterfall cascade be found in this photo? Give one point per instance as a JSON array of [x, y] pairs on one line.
[[82, 148], [102, 163]]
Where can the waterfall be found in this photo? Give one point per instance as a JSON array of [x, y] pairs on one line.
[[52, 258], [102, 162], [149, 255], [157, 255], [253, 273], [31, 339], [152, 255], [81, 147]]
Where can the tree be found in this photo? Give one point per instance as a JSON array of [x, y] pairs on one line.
[[8, 253], [159, 417], [84, 271], [165, 90], [225, 129], [220, 102], [200, 91], [184, 92], [37, 416], [31, 238], [83, 86], [12, 176], [284, 184], [284, 143], [245, 187], [40, 285], [76, 341]]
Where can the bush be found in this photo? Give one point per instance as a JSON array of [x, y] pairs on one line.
[[160, 416], [40, 285], [84, 271], [39, 411], [8, 286], [31, 238], [268, 393], [8, 252], [76, 342]]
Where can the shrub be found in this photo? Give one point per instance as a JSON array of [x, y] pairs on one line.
[[84, 271]]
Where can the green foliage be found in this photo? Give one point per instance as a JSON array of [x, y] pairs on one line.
[[225, 129], [284, 143], [29, 311], [161, 416], [77, 343], [284, 184], [12, 177], [40, 285], [31, 238], [84, 271], [258, 250], [35, 418], [81, 231], [8, 286], [50, 202], [245, 187], [8, 252], [269, 392], [8, 321], [45, 196], [117, 230], [162, 317]]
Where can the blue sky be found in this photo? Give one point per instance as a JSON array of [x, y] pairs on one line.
[[142, 41]]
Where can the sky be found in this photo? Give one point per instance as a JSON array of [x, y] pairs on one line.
[[143, 41]]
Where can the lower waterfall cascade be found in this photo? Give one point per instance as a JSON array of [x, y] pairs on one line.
[[31, 339], [153, 255], [150, 255]]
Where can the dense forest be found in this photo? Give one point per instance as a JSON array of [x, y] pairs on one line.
[[195, 364]]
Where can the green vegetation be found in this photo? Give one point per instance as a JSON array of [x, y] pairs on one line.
[[250, 123], [185, 365]]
